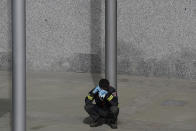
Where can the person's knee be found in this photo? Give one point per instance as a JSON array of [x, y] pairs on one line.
[[88, 108], [114, 109], [103, 113]]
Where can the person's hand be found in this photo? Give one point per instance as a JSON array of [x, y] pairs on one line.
[[97, 89], [102, 94]]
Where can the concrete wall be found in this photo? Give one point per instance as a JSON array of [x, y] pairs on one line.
[[5, 36], [155, 37]]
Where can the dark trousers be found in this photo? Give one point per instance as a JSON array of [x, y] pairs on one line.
[[96, 112]]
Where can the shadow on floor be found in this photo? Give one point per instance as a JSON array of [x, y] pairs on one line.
[[4, 106]]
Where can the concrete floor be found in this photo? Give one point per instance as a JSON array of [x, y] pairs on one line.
[[55, 102]]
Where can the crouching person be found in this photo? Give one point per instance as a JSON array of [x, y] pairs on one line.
[[105, 109]]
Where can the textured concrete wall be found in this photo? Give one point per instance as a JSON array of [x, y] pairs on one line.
[[65, 35], [5, 36], [155, 37]]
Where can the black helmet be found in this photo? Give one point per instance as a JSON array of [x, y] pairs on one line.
[[104, 83]]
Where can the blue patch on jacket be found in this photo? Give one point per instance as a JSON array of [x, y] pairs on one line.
[[97, 89], [102, 94]]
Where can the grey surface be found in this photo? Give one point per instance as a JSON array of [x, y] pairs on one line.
[[55, 102], [155, 37], [19, 65], [111, 42]]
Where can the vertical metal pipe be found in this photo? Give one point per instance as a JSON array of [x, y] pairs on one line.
[[19, 66], [111, 41]]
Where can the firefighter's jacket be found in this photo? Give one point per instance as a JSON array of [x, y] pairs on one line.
[[103, 98]]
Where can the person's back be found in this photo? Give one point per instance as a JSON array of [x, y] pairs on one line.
[[106, 107]]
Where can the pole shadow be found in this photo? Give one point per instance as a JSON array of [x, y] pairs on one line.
[[95, 27], [7, 103]]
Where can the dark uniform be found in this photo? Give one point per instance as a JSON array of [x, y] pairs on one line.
[[106, 107]]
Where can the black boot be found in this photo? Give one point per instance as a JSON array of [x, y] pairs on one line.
[[94, 124], [87, 120], [113, 125], [97, 123]]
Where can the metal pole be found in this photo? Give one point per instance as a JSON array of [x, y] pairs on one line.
[[111, 41], [19, 66]]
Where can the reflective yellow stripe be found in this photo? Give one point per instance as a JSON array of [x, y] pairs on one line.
[[90, 97], [110, 98]]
